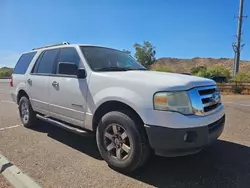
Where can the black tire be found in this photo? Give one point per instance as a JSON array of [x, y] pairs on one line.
[[31, 119], [140, 149]]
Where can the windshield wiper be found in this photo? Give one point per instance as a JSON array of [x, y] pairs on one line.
[[118, 69], [139, 69], [113, 69]]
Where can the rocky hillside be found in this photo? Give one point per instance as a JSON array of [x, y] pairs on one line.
[[185, 65]]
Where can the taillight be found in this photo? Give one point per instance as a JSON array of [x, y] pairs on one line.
[[11, 81]]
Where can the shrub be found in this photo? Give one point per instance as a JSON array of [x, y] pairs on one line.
[[4, 73], [208, 72], [196, 70], [218, 70], [242, 77], [162, 68]]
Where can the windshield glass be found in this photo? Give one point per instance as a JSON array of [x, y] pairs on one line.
[[106, 59]]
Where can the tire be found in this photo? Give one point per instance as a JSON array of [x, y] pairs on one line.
[[136, 139], [28, 117]]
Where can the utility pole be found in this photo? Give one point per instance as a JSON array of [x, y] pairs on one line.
[[237, 46]]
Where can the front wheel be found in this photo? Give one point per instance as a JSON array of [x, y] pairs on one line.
[[122, 142], [27, 115]]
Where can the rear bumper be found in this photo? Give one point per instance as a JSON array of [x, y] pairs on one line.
[[176, 142]]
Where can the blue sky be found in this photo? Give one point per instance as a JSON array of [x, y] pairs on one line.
[[178, 28]]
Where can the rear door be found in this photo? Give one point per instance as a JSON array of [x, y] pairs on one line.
[[38, 81], [67, 92], [18, 75]]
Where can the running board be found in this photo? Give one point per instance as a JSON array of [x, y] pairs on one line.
[[62, 125]]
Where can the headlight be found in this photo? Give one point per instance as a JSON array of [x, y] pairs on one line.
[[173, 101]]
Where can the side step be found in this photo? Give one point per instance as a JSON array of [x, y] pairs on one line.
[[63, 125]]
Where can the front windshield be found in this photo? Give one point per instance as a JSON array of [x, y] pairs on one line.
[[105, 59]]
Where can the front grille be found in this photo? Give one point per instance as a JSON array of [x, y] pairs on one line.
[[210, 98], [210, 108], [205, 100], [207, 91]]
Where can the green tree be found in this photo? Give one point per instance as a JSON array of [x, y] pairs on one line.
[[162, 68], [145, 54]]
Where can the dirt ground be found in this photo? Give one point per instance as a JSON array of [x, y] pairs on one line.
[[4, 183]]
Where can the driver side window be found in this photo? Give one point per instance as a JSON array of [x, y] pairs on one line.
[[67, 62]]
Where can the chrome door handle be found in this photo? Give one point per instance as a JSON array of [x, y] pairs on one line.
[[29, 81], [55, 84]]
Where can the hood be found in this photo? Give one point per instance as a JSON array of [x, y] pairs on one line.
[[162, 80]]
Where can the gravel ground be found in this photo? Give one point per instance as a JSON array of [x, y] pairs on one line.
[[57, 158], [4, 183]]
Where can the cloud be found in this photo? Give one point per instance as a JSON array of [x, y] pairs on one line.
[[8, 58]]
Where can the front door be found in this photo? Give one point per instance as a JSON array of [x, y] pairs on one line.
[[67, 92]]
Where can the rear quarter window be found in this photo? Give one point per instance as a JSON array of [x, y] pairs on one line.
[[23, 63]]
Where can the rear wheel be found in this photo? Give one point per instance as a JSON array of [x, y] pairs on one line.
[[122, 142], [27, 115]]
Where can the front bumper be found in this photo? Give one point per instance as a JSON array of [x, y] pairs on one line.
[[176, 142]]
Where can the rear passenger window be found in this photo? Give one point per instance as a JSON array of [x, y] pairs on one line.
[[45, 63], [23, 63]]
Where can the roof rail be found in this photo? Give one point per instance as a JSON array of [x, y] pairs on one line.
[[47, 46]]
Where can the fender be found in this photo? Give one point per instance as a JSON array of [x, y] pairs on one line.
[[124, 95]]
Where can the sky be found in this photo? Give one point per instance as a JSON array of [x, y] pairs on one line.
[[177, 28]]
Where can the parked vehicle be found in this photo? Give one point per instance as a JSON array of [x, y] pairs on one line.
[[220, 79], [186, 73], [133, 112]]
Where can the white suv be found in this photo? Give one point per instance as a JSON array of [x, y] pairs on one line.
[[133, 111]]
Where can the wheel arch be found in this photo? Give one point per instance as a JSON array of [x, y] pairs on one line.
[[20, 94], [113, 105]]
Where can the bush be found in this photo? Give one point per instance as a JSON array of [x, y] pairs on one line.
[[196, 70], [5, 73], [208, 72], [203, 73], [218, 70], [238, 90], [242, 77], [162, 68]]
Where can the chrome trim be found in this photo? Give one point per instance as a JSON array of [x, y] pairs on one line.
[[212, 111], [206, 96], [212, 102], [197, 103]]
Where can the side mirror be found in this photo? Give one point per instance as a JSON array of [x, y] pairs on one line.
[[81, 73], [67, 68]]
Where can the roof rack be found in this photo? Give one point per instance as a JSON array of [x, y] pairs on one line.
[[47, 46]]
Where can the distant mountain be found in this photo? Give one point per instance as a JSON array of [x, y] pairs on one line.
[[185, 65]]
